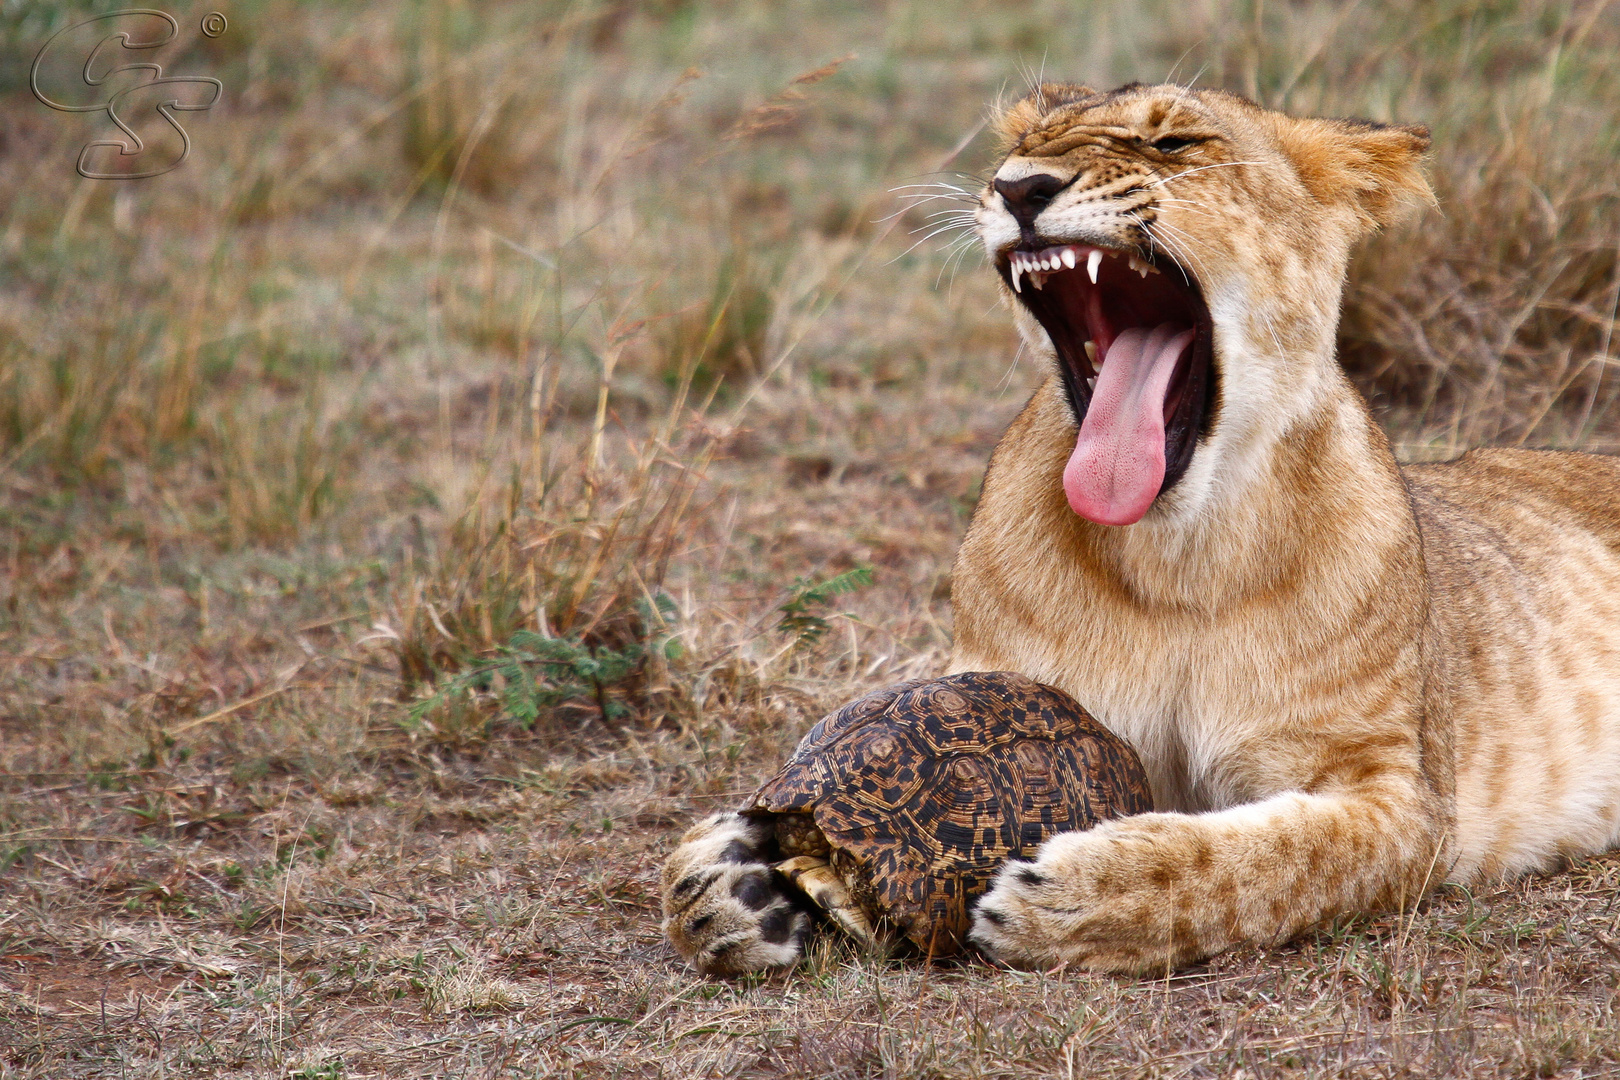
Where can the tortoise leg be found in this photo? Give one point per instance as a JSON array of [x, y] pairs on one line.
[[821, 883], [724, 909]]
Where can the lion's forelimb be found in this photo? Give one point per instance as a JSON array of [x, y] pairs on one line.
[[1159, 890]]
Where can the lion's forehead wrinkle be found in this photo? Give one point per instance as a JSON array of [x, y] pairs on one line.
[[1127, 112], [1063, 138]]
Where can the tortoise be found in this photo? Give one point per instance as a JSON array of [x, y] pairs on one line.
[[894, 813]]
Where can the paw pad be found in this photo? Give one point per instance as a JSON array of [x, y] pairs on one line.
[[753, 890]]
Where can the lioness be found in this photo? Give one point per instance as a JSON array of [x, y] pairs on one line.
[[1348, 680]]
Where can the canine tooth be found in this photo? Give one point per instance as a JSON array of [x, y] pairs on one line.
[[1017, 269], [1093, 261], [1069, 259], [1091, 351], [1091, 383], [1038, 279]]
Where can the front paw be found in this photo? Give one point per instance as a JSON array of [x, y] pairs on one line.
[[724, 908], [1070, 906]]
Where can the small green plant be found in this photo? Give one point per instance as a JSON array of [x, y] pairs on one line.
[[10, 856], [331, 1070], [532, 672], [151, 810], [799, 614], [250, 916]]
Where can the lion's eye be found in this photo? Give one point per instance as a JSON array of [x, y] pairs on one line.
[[1169, 144]]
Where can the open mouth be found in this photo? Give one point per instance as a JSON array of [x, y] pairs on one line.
[[1135, 345]]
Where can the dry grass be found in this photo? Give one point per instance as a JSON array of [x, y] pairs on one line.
[[583, 321]]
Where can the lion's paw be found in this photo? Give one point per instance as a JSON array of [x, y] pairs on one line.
[[1051, 912], [1007, 923], [1103, 899], [724, 908]]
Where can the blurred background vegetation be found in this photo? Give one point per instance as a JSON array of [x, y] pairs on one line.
[[452, 303]]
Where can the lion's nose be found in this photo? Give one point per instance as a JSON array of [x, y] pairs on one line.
[[1027, 197]]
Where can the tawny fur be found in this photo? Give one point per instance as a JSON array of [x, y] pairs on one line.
[[1348, 681]]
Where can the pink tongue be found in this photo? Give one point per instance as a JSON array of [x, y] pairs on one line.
[[1117, 466]]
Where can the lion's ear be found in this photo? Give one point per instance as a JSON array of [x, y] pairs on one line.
[[1019, 119], [1375, 168]]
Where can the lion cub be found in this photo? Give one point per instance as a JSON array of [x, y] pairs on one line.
[[1348, 681]]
